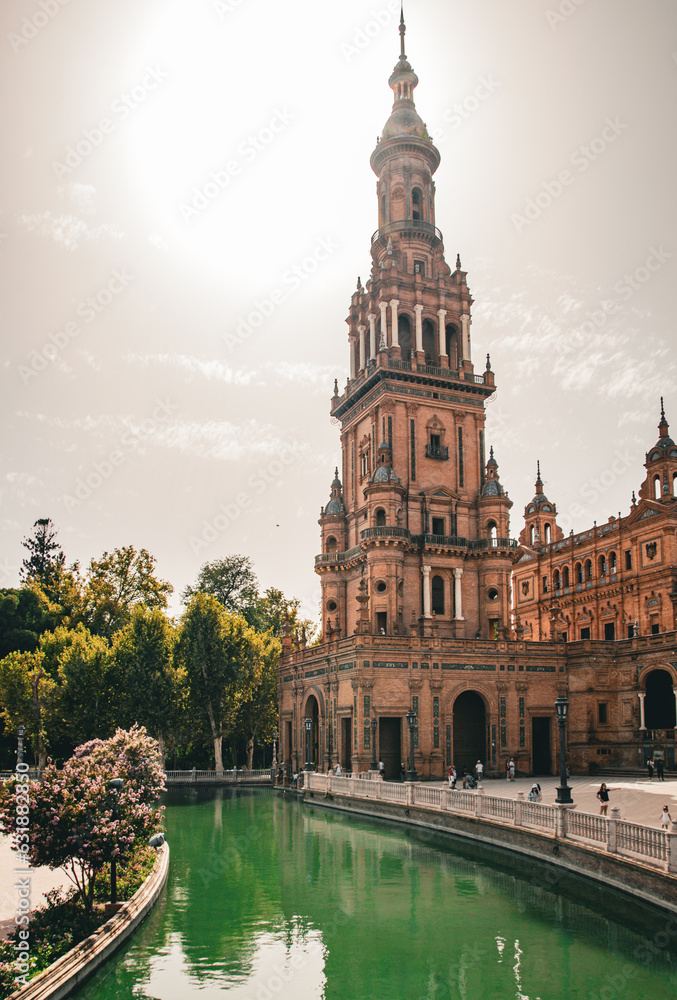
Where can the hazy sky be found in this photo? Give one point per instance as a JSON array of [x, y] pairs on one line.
[[187, 203]]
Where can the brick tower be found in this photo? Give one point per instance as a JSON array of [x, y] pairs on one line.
[[415, 537]]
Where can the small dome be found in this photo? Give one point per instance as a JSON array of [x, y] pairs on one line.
[[335, 506], [382, 474], [491, 489], [405, 120]]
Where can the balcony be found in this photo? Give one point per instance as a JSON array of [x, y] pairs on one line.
[[445, 541], [414, 227], [385, 531], [337, 557], [493, 543], [437, 451]]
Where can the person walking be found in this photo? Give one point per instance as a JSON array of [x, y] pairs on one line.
[[511, 769], [666, 818], [659, 769], [603, 796], [535, 793], [479, 770], [381, 769], [649, 767]]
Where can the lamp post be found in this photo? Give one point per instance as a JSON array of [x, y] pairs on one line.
[[114, 786], [21, 729], [275, 748], [309, 725], [563, 792], [374, 765], [412, 721]]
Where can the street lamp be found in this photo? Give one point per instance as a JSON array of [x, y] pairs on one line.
[[114, 786], [563, 792], [21, 729], [374, 765], [275, 748], [412, 721], [309, 725]]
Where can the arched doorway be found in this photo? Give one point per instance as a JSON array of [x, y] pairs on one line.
[[659, 704], [470, 726], [311, 736]]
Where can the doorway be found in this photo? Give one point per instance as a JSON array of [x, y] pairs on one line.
[[659, 706], [469, 731], [345, 753], [541, 746], [389, 748]]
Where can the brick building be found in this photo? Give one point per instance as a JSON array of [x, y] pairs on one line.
[[417, 560]]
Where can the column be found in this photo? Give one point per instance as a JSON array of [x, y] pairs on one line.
[[642, 695], [353, 373], [419, 328], [363, 359], [458, 573], [425, 570], [372, 334], [465, 327], [394, 333], [383, 306], [442, 332]]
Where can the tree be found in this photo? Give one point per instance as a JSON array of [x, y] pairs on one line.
[[25, 613], [221, 656], [232, 582], [45, 554], [256, 715], [86, 686], [27, 696], [273, 610], [76, 822], [117, 582], [148, 682]]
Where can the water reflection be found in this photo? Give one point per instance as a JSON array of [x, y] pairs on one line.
[[272, 899]]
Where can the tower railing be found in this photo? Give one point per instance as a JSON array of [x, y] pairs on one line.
[[385, 531], [407, 225]]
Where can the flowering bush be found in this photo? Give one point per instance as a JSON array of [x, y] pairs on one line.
[[75, 821]]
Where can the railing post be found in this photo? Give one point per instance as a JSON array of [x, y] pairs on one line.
[[518, 809], [612, 834], [353, 784], [561, 819], [409, 786], [672, 847], [479, 802]]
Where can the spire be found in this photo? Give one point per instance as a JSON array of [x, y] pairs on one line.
[[663, 426], [403, 31], [539, 481]]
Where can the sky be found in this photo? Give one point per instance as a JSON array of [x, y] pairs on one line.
[[187, 202]]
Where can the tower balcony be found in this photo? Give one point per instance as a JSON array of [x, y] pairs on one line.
[[440, 451], [414, 228], [384, 531]]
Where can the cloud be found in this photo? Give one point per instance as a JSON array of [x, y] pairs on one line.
[[317, 377]]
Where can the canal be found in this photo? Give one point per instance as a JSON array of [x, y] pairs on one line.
[[269, 899]]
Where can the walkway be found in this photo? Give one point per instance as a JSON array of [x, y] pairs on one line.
[[639, 800], [41, 881]]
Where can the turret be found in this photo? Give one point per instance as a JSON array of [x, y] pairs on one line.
[[661, 466], [540, 515]]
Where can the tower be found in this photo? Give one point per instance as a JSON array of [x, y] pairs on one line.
[[661, 466], [415, 538]]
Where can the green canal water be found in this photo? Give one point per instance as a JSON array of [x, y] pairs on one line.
[[272, 899]]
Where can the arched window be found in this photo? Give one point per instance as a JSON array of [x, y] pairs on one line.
[[383, 210], [429, 342], [380, 518], [331, 544], [578, 573], [602, 565], [657, 487], [547, 532], [612, 562], [532, 535], [492, 530], [438, 595], [404, 335], [556, 580], [417, 204], [565, 577], [452, 343], [588, 569]]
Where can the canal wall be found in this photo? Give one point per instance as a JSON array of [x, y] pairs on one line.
[[68, 972], [639, 879]]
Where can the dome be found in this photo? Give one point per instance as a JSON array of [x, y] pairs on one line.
[[405, 121], [491, 489], [382, 474], [335, 506]]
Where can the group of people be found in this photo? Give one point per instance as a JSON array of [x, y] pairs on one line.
[[470, 779], [657, 766]]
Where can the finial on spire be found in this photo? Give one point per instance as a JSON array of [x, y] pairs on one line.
[[488, 362], [458, 262], [403, 29], [663, 425], [662, 409], [336, 392]]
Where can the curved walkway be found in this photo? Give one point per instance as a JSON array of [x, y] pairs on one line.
[[42, 880], [639, 800]]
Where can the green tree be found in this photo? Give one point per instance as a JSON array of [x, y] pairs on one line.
[[25, 613], [256, 715], [87, 692], [28, 696], [149, 685], [232, 582], [45, 553], [76, 822], [273, 610], [117, 582], [221, 656]]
